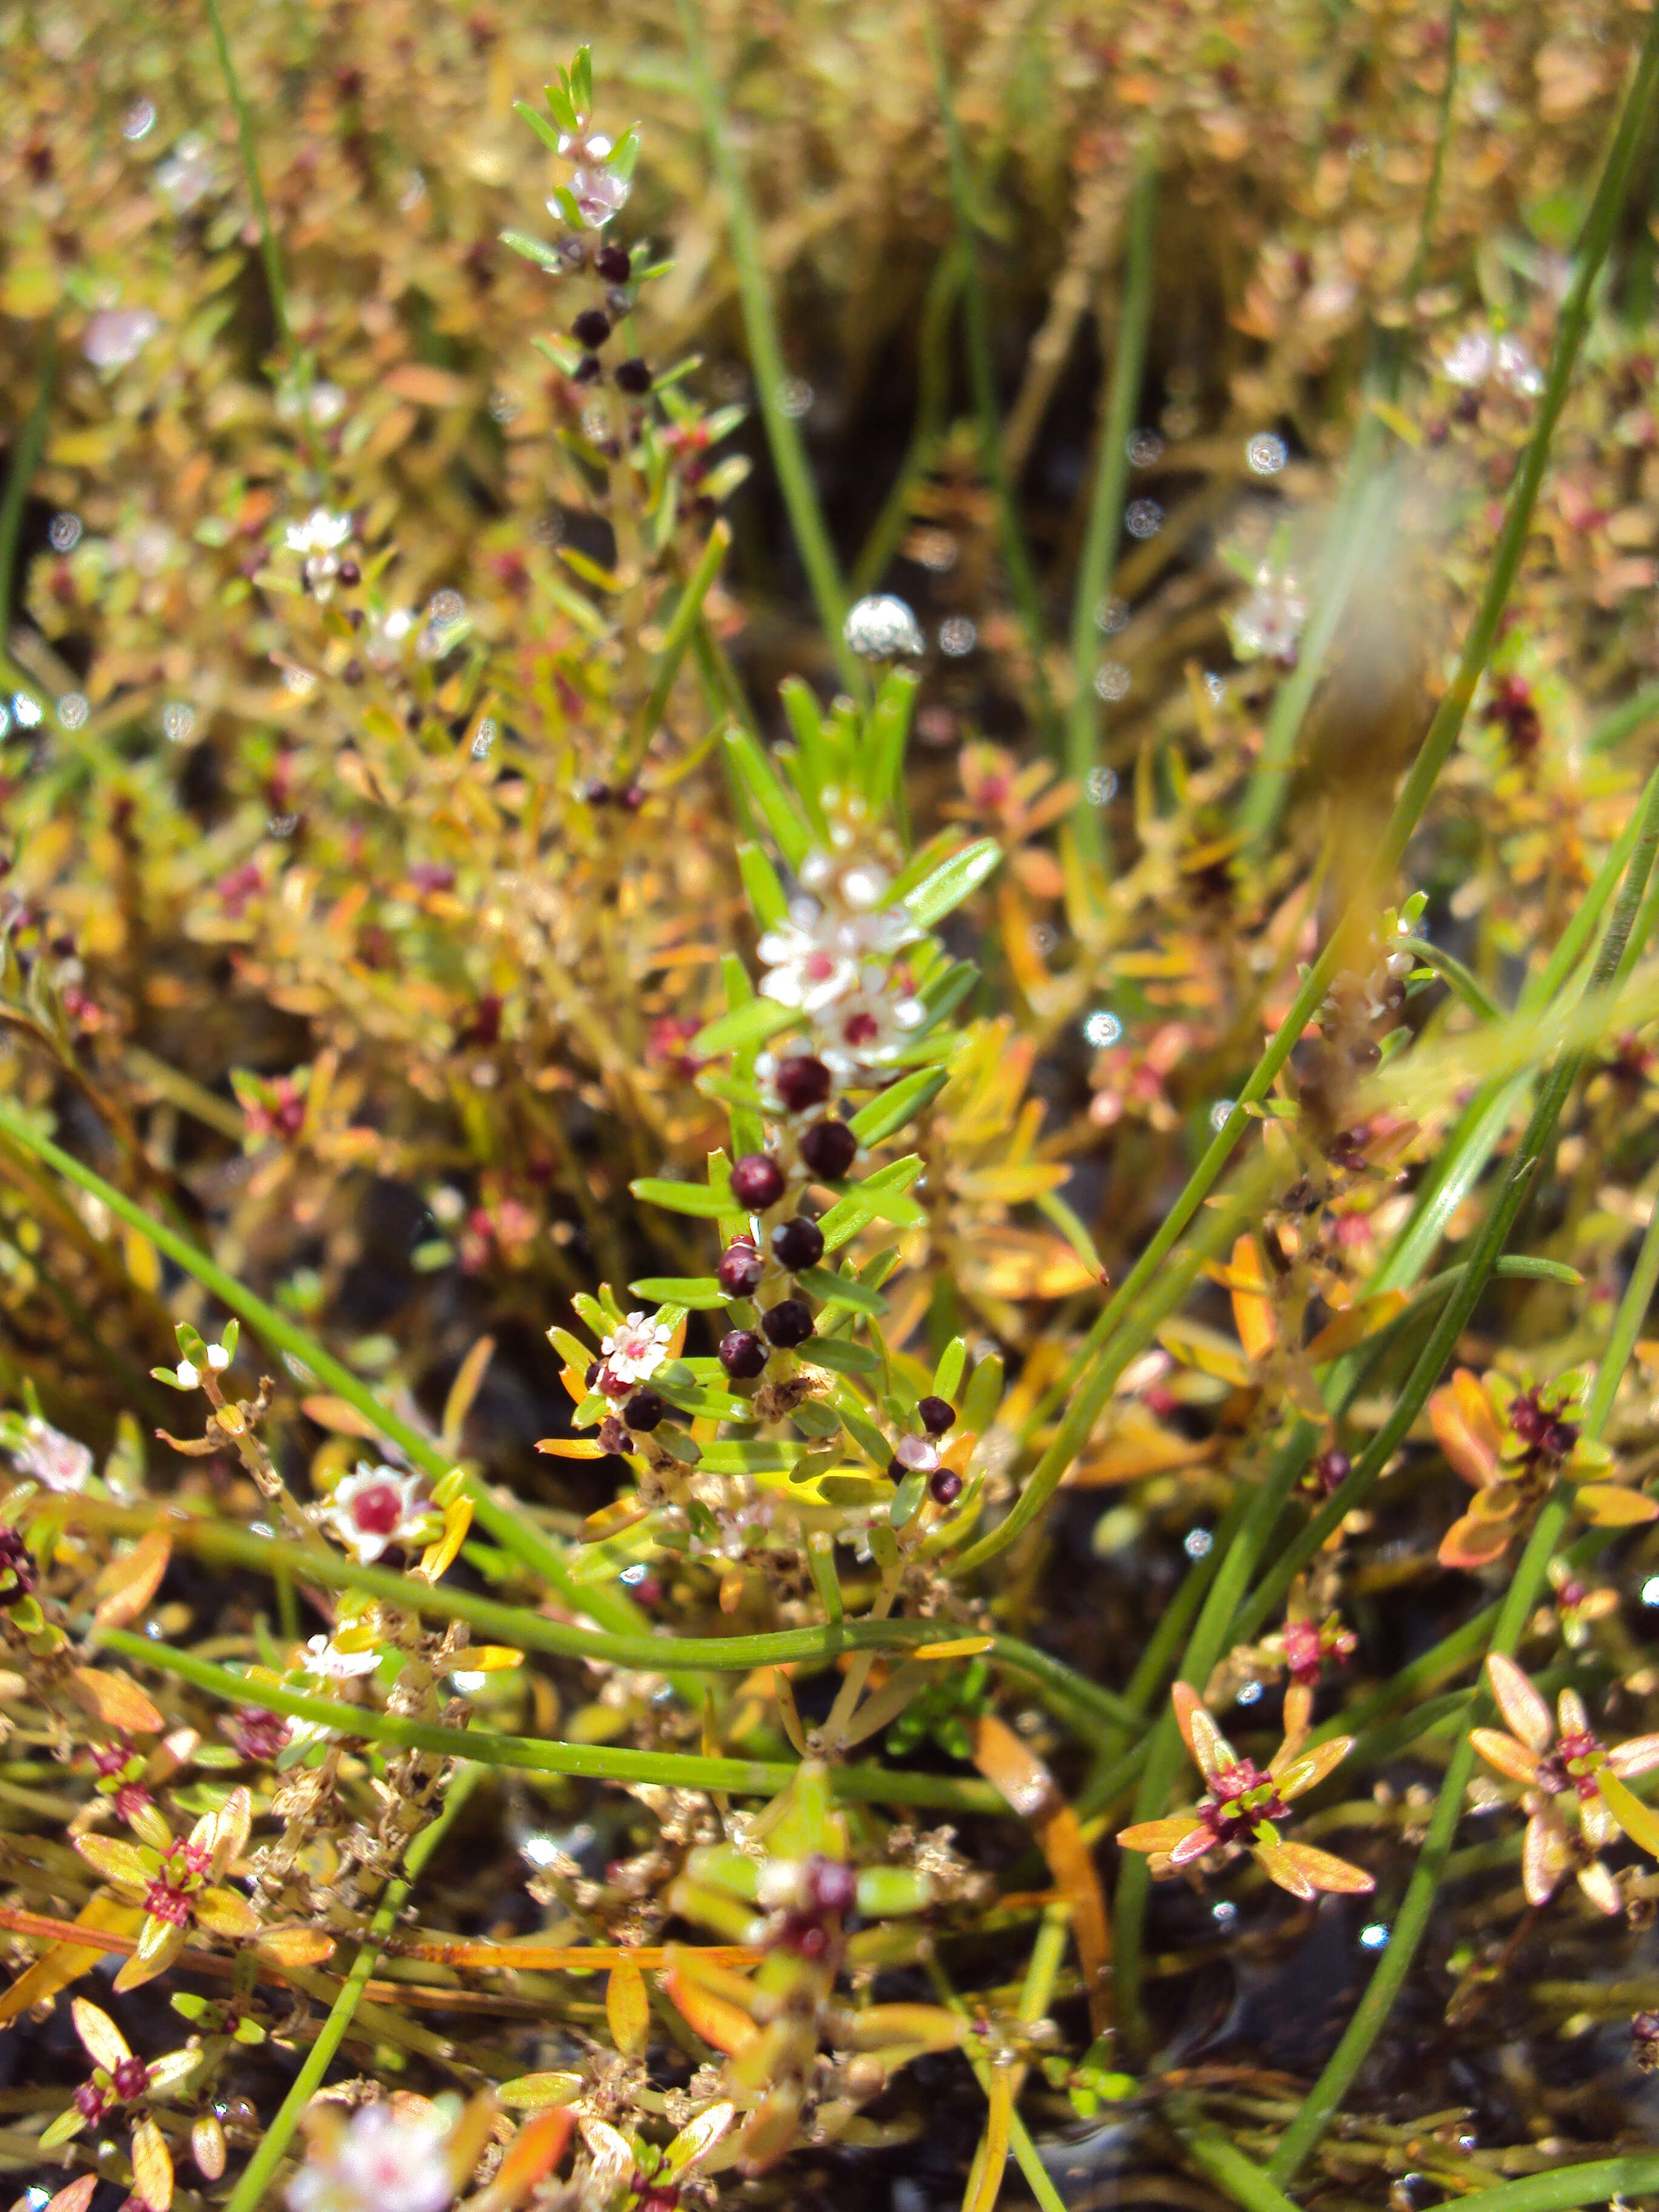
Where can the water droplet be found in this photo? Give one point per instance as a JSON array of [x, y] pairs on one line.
[[188, 174], [138, 121], [118, 335], [503, 407], [1100, 786], [1251, 1694], [1196, 1543], [5, 721], [1224, 1912], [1650, 1590], [795, 397], [282, 825], [1144, 447], [1374, 1935], [957, 636], [881, 627], [1265, 453], [1042, 939], [1112, 680], [934, 548], [636, 1573], [1143, 517], [26, 710], [446, 606], [72, 710], [413, 193], [178, 721], [595, 424], [1101, 1028], [482, 737], [1111, 616], [299, 681], [1214, 685], [63, 533], [1219, 1112]]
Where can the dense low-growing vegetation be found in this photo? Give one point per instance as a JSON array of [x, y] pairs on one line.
[[828, 1135]]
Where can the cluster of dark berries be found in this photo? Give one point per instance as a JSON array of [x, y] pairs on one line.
[[919, 1455], [17, 1574], [1512, 707], [642, 1409], [1549, 1440], [827, 1146], [593, 326], [630, 798]]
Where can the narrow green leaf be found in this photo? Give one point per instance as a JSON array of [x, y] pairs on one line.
[[756, 772], [695, 1198], [745, 1455], [886, 732], [947, 888], [838, 1291], [896, 1106], [751, 1025], [695, 1293], [532, 248], [840, 1355], [624, 154], [947, 1376], [564, 108], [760, 880]]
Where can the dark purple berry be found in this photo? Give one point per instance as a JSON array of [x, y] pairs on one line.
[[798, 1243], [612, 264], [634, 377], [351, 574], [757, 1182], [742, 1354], [644, 1410], [588, 369], [828, 1149], [1331, 1470], [788, 1324], [830, 1886], [936, 1416], [945, 1485], [592, 1374], [597, 794], [801, 1082], [591, 329], [89, 2103], [741, 1269], [631, 798]]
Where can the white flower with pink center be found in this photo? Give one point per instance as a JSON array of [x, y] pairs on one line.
[[322, 1658], [48, 1456], [378, 1506], [382, 2161], [634, 1350]]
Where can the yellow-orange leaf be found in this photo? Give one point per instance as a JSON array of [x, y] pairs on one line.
[[67, 1962], [117, 1702], [127, 1585], [533, 2152], [1253, 1311], [723, 2025], [152, 2168], [628, 2010], [1008, 1762], [294, 1946]]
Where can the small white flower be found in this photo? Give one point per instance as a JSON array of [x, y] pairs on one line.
[[188, 174], [598, 194], [319, 538], [634, 1352], [217, 1358], [377, 1506], [1268, 624], [322, 1659], [51, 1457], [382, 2161], [187, 1374], [118, 335]]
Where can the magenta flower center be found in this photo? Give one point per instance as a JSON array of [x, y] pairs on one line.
[[377, 1511], [1572, 1764], [1242, 1797]]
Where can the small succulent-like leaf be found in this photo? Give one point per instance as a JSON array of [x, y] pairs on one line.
[[129, 1867], [1210, 1749], [1318, 1869], [1545, 1855], [697, 2139], [1465, 1428], [1610, 1505], [226, 1913], [535, 2092], [1471, 1543], [628, 2010], [1504, 1752], [127, 1584], [1254, 1317], [119, 1704], [159, 1943], [152, 2166], [1308, 1769], [294, 1946], [104, 2044], [1639, 1755], [1602, 1891], [1160, 1835], [1640, 1821], [1520, 1704]]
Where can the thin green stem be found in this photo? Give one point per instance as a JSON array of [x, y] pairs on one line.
[[1452, 971], [1435, 749], [1411, 1922], [506, 1523], [651, 1652], [270, 253], [743, 1778], [760, 325], [1120, 400], [682, 625], [932, 397], [1600, 2181], [256, 2176], [1016, 555]]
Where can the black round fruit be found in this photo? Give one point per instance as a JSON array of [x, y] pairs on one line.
[[758, 1180], [612, 264], [351, 574], [828, 1149], [740, 1268], [644, 1410], [634, 377], [945, 1485], [798, 1243], [936, 1416], [788, 1324], [588, 370], [742, 1354], [802, 1081], [591, 329]]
